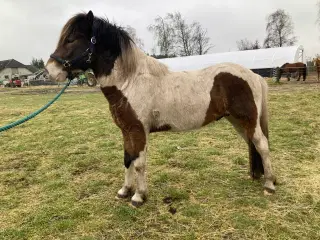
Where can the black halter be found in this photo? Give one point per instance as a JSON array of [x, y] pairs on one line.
[[67, 64]]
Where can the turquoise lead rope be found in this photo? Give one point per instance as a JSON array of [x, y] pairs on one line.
[[32, 115]]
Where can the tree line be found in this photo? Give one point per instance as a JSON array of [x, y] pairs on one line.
[[175, 37]]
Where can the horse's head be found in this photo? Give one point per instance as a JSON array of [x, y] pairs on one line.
[[74, 49], [88, 42]]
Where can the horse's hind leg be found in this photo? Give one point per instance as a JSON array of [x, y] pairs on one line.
[[257, 139], [262, 146], [237, 126], [256, 166]]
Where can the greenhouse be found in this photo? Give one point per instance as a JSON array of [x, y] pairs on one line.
[[261, 61]]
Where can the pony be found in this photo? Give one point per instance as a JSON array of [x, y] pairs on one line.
[[289, 68], [316, 63], [145, 97]]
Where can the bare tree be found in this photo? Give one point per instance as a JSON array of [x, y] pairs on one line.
[[173, 32], [267, 42], [133, 34], [164, 34], [256, 45], [280, 30], [201, 41], [183, 33], [245, 44]]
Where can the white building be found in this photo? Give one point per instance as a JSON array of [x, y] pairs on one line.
[[12, 67], [261, 61]]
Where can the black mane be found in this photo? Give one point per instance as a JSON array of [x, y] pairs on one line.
[[112, 42], [110, 35]]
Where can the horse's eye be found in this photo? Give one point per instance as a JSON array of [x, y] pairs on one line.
[[70, 40]]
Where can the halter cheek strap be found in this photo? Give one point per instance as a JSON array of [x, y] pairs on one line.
[[67, 64]]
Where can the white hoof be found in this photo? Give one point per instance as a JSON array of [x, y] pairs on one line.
[[123, 193]]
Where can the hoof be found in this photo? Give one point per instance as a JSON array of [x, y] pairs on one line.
[[267, 193], [138, 199], [136, 204], [123, 193], [122, 196], [269, 188]]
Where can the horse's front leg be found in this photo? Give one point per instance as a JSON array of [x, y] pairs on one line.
[[135, 145], [141, 190], [127, 187]]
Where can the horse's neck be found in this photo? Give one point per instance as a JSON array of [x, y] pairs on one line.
[[143, 65], [147, 64]]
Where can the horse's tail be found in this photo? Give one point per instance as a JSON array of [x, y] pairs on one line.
[[264, 110], [256, 165], [304, 71]]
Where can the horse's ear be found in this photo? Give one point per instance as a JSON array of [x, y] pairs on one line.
[[90, 17]]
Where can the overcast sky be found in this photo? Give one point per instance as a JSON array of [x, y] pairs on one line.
[[31, 28]]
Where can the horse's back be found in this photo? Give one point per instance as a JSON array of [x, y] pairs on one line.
[[242, 73]]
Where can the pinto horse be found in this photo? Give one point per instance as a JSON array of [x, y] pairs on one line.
[[144, 96], [290, 68], [316, 63]]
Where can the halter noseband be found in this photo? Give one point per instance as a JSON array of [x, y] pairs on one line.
[[67, 64]]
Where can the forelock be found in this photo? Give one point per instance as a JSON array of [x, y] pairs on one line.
[[70, 27]]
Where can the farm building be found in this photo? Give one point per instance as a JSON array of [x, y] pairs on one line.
[[12, 67], [261, 61]]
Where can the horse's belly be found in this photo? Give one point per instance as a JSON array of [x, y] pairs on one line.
[[181, 116]]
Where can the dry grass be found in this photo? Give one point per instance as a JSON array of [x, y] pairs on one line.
[[59, 174]]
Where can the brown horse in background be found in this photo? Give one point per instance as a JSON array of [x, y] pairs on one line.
[[289, 68], [316, 63]]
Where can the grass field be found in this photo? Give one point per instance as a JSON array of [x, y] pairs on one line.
[[60, 172]]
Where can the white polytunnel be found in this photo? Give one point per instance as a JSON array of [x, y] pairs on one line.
[[260, 60]]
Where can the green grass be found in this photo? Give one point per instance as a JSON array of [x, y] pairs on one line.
[[60, 172]]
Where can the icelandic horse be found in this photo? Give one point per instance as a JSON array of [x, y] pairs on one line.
[[144, 96], [289, 68]]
